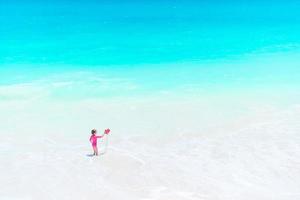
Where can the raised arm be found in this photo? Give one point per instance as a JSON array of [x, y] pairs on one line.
[[100, 136], [106, 131]]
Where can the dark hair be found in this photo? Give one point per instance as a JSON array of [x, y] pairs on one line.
[[93, 131]]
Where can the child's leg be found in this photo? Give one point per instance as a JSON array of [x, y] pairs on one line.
[[94, 149]]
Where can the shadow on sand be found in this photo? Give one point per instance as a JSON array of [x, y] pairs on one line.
[[92, 155]]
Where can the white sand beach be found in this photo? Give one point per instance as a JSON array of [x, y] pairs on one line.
[[156, 151]]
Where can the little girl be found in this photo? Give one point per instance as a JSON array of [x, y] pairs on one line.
[[93, 140]]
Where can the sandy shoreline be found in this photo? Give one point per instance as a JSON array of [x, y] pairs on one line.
[[245, 162]]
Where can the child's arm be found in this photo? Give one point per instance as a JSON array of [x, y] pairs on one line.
[[100, 136], [106, 131]]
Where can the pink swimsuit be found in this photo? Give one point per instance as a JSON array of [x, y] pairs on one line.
[[93, 140]]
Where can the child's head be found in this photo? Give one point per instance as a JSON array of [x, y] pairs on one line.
[[94, 131]]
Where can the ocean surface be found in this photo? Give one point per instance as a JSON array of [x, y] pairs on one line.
[[142, 32], [147, 45]]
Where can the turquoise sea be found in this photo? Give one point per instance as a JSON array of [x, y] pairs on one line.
[[91, 49]]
